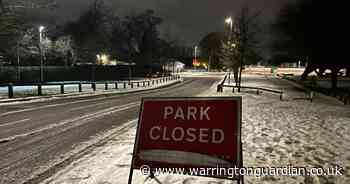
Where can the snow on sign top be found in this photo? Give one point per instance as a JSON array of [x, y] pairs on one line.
[[188, 133]]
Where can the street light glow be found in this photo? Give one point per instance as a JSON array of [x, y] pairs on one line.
[[228, 20], [104, 57], [41, 28]]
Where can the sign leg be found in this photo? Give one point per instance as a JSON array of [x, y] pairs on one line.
[[130, 175], [242, 177], [153, 177]]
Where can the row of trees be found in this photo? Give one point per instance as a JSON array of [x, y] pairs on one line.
[[97, 31]]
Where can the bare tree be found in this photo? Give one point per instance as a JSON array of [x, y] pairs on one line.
[[12, 24], [246, 40], [240, 44], [229, 57]]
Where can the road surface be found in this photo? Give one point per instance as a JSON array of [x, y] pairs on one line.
[[37, 137]]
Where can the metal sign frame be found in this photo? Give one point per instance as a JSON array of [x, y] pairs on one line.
[[239, 151]]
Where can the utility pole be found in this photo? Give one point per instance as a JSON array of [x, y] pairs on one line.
[[41, 28], [18, 64]]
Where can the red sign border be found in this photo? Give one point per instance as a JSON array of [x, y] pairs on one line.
[[239, 161]]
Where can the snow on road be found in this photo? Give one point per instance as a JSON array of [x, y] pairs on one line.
[[293, 132]]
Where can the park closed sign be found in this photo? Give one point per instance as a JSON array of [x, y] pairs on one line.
[[188, 133]]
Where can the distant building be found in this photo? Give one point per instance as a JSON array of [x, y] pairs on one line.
[[175, 66], [291, 65]]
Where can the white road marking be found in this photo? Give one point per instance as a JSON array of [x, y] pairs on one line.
[[14, 122], [52, 105], [87, 106], [81, 120]]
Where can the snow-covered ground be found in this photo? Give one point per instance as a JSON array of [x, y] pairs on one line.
[[340, 84], [276, 133]]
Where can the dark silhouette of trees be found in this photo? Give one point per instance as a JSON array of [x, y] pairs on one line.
[[97, 31], [91, 32], [304, 33], [211, 49], [246, 38], [134, 38], [142, 36], [13, 25]]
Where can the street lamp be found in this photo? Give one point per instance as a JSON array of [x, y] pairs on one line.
[[41, 29], [229, 21], [98, 58], [195, 54]]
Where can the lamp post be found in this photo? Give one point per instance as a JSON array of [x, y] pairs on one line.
[[229, 21], [195, 56], [18, 64], [41, 29], [231, 43]]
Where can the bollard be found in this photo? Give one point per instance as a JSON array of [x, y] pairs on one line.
[[106, 86], [152, 82], [93, 86], [116, 85], [233, 89], [124, 85], [229, 78], [218, 88], [138, 84], [281, 97], [311, 96], [80, 87], [10, 90], [40, 90], [132, 85], [144, 84], [157, 81], [62, 88]]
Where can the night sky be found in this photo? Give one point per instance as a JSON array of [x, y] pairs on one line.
[[184, 20]]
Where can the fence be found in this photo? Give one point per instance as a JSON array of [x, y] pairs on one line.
[[124, 84]]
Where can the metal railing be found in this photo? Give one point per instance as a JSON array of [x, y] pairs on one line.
[[222, 84], [125, 84]]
